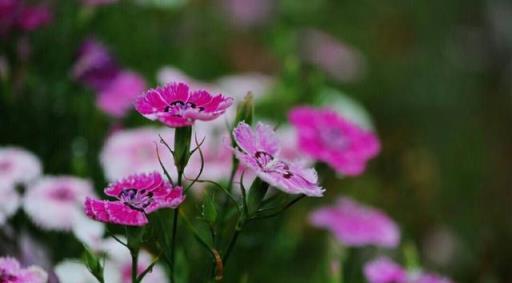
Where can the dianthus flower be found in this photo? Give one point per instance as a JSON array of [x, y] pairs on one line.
[[18, 166], [176, 106], [327, 136], [354, 224], [12, 272], [258, 149], [136, 196]]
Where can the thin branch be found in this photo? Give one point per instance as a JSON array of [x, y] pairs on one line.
[[244, 195], [148, 269], [166, 145], [162, 165], [198, 147]]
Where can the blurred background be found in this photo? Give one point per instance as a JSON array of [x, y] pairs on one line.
[[434, 76]]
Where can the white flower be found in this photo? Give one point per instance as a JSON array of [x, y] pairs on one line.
[[18, 166]]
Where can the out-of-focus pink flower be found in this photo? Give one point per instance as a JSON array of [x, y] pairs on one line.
[[127, 152], [9, 202], [34, 17], [169, 74], [98, 2], [18, 166], [54, 202], [384, 270], [12, 272], [257, 150], [337, 59], [118, 96], [354, 224], [327, 136], [249, 13], [237, 86], [176, 106], [95, 66], [136, 196]]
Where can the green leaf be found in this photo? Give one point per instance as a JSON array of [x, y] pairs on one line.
[[256, 194], [209, 209], [93, 264]]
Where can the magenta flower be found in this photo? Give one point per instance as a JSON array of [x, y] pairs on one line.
[[12, 272], [384, 270], [8, 12], [329, 137], [257, 150], [354, 224], [118, 96], [136, 196], [176, 106], [34, 17], [95, 66]]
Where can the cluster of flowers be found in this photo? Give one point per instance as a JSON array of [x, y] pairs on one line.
[[96, 68]]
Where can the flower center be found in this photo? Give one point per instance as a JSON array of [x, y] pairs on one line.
[[5, 165], [63, 194], [178, 107], [333, 138], [136, 199], [270, 165]]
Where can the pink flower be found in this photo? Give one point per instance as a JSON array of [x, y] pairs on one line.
[[95, 66], [8, 12], [136, 196], [118, 96], [384, 270], [337, 59], [248, 13], [175, 106], [18, 166], [34, 17], [329, 137], [257, 150], [354, 224], [127, 152], [54, 202], [9, 202], [11, 272]]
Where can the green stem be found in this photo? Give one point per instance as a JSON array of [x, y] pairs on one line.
[[233, 240], [135, 257]]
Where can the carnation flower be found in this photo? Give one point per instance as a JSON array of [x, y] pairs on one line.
[[54, 202], [136, 196], [354, 224], [18, 166], [249, 13], [34, 17], [258, 149], [337, 59], [118, 96], [384, 270], [329, 137], [176, 106], [127, 152], [12, 272], [95, 66], [9, 202]]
